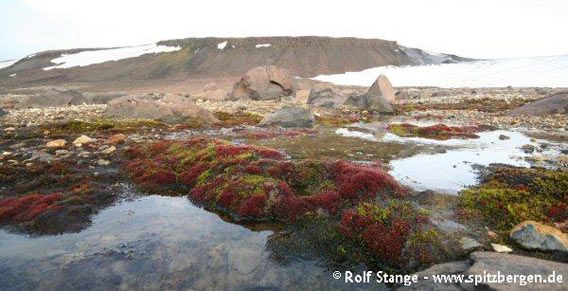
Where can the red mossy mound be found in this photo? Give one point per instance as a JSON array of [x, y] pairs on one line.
[[393, 232], [26, 208], [438, 131], [255, 183]]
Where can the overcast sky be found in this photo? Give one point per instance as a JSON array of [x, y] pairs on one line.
[[471, 28]]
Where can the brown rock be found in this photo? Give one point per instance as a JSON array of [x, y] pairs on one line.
[[302, 96], [382, 88], [535, 236], [555, 104], [117, 139], [265, 83], [170, 108], [58, 143]]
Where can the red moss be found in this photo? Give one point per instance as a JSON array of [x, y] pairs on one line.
[[27, 207], [327, 200], [253, 207], [363, 182], [190, 176], [387, 242], [558, 213]]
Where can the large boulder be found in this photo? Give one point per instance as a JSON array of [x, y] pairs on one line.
[[378, 98], [325, 97], [482, 263], [290, 117], [170, 108], [382, 88], [535, 236], [265, 83], [52, 97], [555, 104]]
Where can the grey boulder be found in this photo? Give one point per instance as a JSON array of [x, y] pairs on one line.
[[290, 117]]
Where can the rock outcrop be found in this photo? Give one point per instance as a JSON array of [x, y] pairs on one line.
[[171, 108], [378, 98], [290, 117], [265, 83], [481, 263], [535, 236], [555, 104]]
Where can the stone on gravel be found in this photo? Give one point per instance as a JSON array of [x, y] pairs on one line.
[[109, 151], [302, 96], [290, 117], [378, 98], [501, 248], [58, 143], [469, 245], [528, 149], [326, 98], [169, 108], [265, 83], [3, 112], [504, 137], [535, 236], [83, 140]]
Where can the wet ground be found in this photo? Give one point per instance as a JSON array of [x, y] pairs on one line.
[[157, 242]]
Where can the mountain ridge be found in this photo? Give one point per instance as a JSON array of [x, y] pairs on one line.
[[211, 57]]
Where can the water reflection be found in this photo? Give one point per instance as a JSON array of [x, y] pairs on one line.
[[153, 242]]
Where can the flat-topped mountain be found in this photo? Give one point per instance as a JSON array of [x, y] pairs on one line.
[[198, 58]]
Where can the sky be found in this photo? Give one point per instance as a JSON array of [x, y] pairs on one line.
[[470, 28]]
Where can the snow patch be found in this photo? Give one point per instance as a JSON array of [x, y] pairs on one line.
[[13, 75], [222, 45], [6, 64], [356, 134], [519, 72], [260, 45], [87, 58]]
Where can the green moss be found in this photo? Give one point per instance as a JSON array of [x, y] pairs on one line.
[[510, 195], [238, 118], [204, 176], [110, 125]]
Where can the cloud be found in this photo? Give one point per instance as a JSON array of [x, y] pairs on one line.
[[474, 28]]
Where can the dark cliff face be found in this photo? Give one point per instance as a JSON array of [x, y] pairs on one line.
[[307, 56]]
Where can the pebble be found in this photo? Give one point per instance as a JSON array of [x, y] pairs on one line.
[[501, 248], [82, 140], [58, 143], [109, 151], [103, 162]]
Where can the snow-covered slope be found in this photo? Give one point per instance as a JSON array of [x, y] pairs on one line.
[[87, 58], [6, 64], [519, 72]]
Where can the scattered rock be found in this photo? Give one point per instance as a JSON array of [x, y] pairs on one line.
[[41, 156], [290, 117], [529, 149], [492, 235], [501, 248], [3, 112], [8, 129], [103, 162], [555, 104], [109, 151], [504, 137], [117, 139], [58, 143], [535, 236], [265, 83], [482, 263], [171, 108], [61, 153], [82, 140], [469, 245]]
